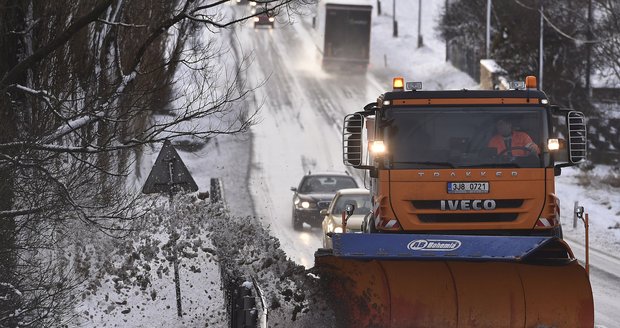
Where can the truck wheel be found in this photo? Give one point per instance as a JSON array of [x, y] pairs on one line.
[[368, 225]]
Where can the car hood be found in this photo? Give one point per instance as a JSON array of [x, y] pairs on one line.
[[316, 197]]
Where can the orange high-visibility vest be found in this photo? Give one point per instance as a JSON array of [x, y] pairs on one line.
[[519, 139]]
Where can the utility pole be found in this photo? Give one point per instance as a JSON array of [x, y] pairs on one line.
[[447, 41], [489, 29], [394, 22], [420, 41], [541, 48], [589, 50]]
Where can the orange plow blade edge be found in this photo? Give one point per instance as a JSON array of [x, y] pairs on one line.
[[449, 293]]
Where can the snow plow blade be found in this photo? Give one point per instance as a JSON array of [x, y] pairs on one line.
[[440, 291]]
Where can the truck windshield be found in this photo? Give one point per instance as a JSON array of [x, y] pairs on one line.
[[466, 137]]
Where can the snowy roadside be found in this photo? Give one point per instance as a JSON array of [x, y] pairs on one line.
[[132, 280], [598, 191]]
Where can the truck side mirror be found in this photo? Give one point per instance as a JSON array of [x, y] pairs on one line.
[[352, 150], [577, 136]]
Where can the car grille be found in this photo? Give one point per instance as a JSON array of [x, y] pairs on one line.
[[323, 204]]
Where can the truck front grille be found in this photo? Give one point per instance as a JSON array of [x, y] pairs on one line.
[[436, 204], [467, 217], [450, 216]]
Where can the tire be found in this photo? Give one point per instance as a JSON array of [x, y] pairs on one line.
[[368, 225], [297, 225], [557, 232]]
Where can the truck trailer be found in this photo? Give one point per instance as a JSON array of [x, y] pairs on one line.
[[343, 34], [465, 228]]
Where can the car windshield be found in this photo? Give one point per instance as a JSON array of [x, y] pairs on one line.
[[326, 184], [361, 202], [466, 137]]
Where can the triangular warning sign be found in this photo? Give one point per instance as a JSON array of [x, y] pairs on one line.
[[169, 173]]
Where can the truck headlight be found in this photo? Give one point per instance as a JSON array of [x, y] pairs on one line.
[[553, 144], [377, 147]]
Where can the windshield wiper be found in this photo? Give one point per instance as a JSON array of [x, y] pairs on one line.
[[444, 164]]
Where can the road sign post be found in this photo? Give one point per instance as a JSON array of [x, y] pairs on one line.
[[169, 175]]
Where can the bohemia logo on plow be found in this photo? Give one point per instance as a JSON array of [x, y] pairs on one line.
[[434, 245]]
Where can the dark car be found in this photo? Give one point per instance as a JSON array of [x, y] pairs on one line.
[[265, 15], [314, 193]]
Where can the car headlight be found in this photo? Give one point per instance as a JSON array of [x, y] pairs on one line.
[[256, 19], [338, 230], [271, 19], [305, 204]]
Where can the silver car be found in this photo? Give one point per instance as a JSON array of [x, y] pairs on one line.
[[332, 223]]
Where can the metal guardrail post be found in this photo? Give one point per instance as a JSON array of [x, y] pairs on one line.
[[575, 218], [263, 303]]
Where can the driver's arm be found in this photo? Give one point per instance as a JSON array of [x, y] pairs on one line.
[[530, 144]]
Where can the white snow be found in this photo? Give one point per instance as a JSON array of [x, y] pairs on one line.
[[491, 65], [299, 131]]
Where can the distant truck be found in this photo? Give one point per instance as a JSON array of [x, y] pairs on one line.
[[343, 33]]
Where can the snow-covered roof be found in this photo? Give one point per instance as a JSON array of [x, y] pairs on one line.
[[492, 66], [349, 2], [329, 173], [354, 191]]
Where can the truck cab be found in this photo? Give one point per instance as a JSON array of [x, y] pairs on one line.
[[444, 161]]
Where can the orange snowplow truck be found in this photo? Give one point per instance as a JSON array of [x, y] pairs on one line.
[[465, 229]]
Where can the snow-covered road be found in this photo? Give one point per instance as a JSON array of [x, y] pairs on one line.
[[299, 131], [300, 126]]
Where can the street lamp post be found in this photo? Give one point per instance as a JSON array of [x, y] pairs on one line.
[[394, 22], [420, 41], [541, 50], [489, 29]]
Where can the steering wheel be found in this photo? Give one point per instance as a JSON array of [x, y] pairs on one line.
[[528, 151]]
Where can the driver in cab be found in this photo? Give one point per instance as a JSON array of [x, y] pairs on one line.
[[512, 143]]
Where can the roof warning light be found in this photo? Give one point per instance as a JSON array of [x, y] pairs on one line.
[[530, 82], [398, 84]]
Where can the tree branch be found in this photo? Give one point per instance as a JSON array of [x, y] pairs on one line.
[[44, 51]]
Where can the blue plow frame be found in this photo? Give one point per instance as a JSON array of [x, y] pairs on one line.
[[436, 247]]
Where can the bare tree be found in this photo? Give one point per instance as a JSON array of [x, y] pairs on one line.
[[607, 40], [85, 85]]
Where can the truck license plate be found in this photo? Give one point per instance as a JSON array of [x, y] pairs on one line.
[[468, 187]]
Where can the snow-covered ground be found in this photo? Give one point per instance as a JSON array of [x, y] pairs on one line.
[[299, 130]]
